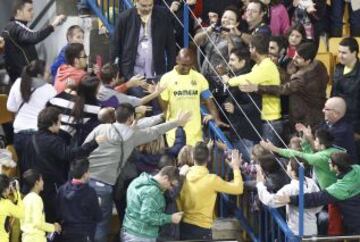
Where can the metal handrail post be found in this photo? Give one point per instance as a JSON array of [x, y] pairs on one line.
[[301, 200], [186, 14]]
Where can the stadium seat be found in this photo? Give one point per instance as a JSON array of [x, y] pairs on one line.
[[5, 115], [322, 45], [328, 60]]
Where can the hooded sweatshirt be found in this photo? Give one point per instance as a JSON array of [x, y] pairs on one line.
[[145, 207], [67, 74], [78, 208], [348, 186], [33, 225], [199, 192]]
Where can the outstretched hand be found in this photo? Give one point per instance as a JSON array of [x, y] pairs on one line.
[[267, 145], [249, 87]]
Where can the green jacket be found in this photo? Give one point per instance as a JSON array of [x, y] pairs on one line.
[[145, 207], [348, 186], [320, 162]]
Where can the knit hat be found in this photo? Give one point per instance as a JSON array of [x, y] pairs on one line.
[[6, 159]]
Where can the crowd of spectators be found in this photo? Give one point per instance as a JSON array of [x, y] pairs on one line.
[[130, 134]]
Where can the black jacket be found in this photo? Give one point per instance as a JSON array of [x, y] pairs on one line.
[[78, 209], [54, 157], [149, 162], [348, 87], [126, 38], [20, 44], [238, 119], [343, 134], [350, 208]]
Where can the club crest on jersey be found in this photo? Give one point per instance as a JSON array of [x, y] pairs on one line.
[[193, 82]]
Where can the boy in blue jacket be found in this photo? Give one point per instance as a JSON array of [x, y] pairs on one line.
[[74, 34], [78, 206]]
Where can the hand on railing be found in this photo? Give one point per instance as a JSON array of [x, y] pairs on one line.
[[58, 20], [175, 5], [267, 145], [236, 160]]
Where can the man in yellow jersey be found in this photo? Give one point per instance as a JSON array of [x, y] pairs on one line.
[[264, 72], [185, 89]]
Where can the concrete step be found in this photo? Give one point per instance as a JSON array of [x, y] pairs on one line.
[[226, 229]]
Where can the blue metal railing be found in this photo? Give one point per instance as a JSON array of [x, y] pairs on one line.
[[109, 10], [269, 219]]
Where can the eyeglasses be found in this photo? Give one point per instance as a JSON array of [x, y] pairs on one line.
[[82, 57]]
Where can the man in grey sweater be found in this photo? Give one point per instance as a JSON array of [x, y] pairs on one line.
[[108, 160]]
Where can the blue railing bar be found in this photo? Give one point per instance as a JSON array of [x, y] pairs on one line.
[[92, 4], [240, 216], [218, 133], [301, 200], [289, 235], [108, 11], [186, 24]]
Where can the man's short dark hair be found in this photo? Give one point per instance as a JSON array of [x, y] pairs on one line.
[[19, 5], [78, 168], [342, 160], [325, 137], [47, 117], [260, 42], [307, 51], [123, 112], [269, 164], [166, 160], [201, 153], [72, 52], [108, 72], [172, 172], [351, 43], [242, 54], [280, 41], [263, 7], [72, 29]]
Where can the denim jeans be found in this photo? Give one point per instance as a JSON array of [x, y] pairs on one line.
[[245, 147], [21, 141], [269, 134], [337, 13], [104, 193], [193, 232], [126, 237]]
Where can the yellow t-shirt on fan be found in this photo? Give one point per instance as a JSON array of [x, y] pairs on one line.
[[183, 93]]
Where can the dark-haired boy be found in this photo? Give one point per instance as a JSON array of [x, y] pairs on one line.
[[199, 193], [78, 206], [74, 34]]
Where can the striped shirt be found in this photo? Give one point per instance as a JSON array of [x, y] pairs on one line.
[[65, 102]]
